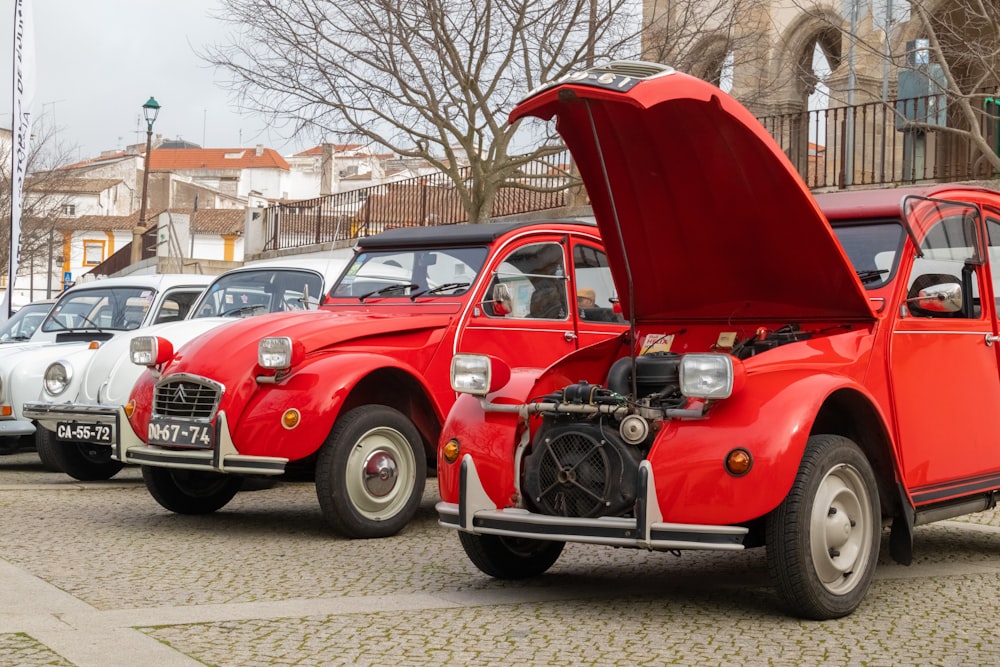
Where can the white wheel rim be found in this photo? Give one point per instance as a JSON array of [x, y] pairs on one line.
[[840, 530], [381, 472]]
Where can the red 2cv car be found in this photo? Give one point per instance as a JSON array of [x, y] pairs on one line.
[[358, 389], [775, 386]]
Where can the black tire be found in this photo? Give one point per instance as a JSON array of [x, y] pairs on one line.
[[80, 460], [370, 472], [510, 557], [46, 445], [190, 491], [823, 540]]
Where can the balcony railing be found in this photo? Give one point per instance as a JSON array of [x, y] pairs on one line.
[[420, 201], [885, 143], [864, 145]]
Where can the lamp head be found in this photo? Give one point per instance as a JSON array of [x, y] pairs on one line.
[[150, 110]]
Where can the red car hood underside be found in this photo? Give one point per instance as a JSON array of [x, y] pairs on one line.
[[698, 204]]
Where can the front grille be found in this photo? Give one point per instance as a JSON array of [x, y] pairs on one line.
[[186, 396]]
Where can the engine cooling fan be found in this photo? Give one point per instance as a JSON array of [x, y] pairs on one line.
[[581, 470]]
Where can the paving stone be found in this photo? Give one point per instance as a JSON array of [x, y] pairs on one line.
[[264, 582]]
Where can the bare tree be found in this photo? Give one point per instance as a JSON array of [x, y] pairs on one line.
[[960, 64], [713, 40], [964, 37], [41, 201], [427, 79]]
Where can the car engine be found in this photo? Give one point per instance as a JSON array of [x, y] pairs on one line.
[[585, 464], [584, 458]]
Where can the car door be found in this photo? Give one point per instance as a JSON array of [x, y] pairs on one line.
[[525, 316], [944, 365]]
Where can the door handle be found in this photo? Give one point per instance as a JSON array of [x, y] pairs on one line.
[[570, 337], [990, 339]]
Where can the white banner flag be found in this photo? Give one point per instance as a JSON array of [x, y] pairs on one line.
[[24, 95]]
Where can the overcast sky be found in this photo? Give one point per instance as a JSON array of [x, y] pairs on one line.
[[98, 61]]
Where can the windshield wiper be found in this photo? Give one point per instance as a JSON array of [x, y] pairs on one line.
[[439, 288], [387, 290], [243, 310], [871, 275], [63, 327]]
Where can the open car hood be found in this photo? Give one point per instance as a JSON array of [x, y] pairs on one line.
[[696, 202]]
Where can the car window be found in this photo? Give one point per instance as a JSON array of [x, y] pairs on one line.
[[595, 290], [24, 322], [176, 305], [411, 272], [96, 308], [247, 293], [533, 284], [873, 249], [949, 256]]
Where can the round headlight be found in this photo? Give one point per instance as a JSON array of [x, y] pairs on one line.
[[57, 377]]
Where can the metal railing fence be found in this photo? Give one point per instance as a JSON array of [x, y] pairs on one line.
[[838, 148]]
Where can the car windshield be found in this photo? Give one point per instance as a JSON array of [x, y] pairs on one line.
[[24, 322], [246, 293], [873, 249], [100, 308], [411, 272]]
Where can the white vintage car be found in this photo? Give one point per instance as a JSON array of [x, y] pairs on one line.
[[86, 316], [76, 396]]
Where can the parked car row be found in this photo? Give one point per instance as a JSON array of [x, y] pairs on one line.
[[769, 384], [76, 402]]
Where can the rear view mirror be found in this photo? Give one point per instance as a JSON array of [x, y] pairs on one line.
[[941, 298]]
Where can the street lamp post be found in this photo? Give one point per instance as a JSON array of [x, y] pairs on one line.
[[150, 110]]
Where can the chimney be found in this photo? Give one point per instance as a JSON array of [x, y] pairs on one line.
[[260, 149]]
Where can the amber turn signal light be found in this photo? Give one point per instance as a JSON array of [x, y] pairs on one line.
[[738, 462], [290, 419], [129, 408], [451, 450]]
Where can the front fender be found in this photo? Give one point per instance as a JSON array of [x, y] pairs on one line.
[[771, 417], [23, 374], [318, 390], [489, 436]]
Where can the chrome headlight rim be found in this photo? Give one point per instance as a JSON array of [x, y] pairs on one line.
[[57, 377]]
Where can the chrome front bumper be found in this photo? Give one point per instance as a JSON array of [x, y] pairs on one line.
[[48, 414], [129, 448], [223, 458], [476, 513]]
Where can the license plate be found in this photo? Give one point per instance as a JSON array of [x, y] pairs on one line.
[[102, 434], [180, 433]]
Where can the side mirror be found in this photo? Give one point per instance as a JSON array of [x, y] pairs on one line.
[[501, 292], [941, 298], [503, 303]]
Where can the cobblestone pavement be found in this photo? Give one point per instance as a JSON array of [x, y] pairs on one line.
[[98, 574]]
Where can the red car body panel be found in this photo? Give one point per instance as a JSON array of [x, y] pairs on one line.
[[716, 244], [349, 341]]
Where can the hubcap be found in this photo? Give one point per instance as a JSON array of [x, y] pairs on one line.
[[381, 473], [840, 527]]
